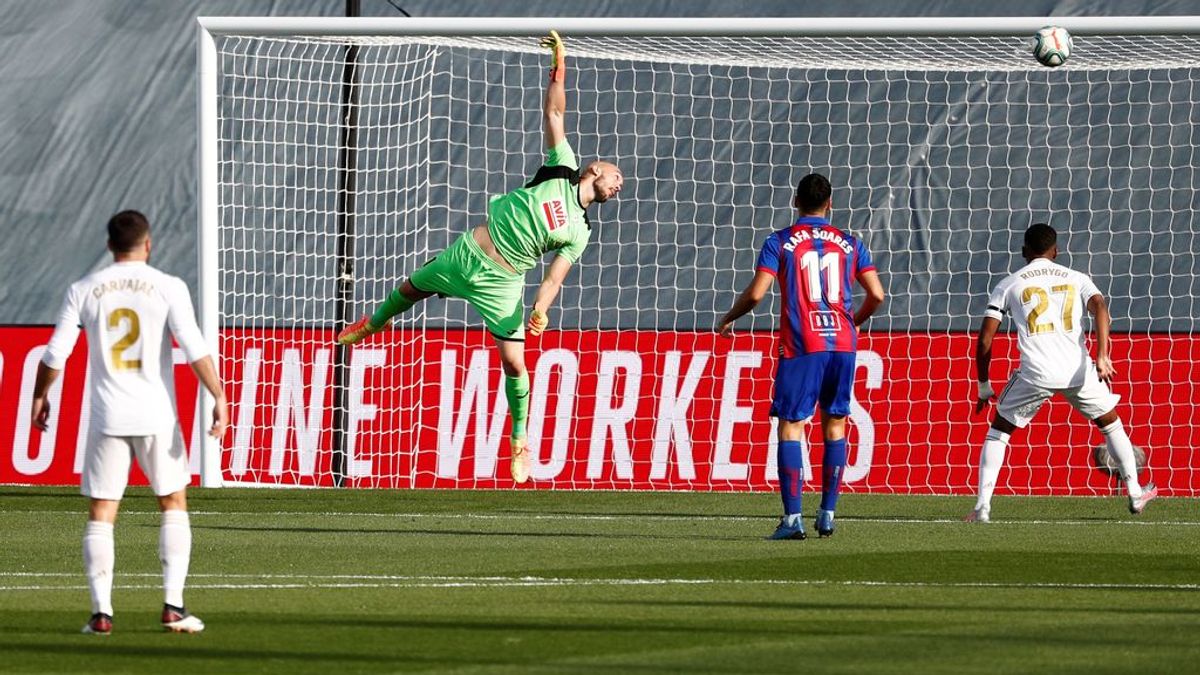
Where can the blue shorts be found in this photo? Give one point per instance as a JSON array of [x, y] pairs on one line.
[[803, 381]]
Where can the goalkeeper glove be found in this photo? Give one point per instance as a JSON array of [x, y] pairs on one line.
[[538, 321], [558, 52]]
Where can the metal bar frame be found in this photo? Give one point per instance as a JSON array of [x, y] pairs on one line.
[[206, 100]]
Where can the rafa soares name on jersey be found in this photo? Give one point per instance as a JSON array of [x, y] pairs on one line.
[[824, 235]]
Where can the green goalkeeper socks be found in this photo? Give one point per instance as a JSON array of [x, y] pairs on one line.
[[516, 389], [395, 304]]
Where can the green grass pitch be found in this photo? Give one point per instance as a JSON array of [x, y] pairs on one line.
[[524, 581]]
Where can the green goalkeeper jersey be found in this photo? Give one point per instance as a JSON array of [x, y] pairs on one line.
[[545, 215]]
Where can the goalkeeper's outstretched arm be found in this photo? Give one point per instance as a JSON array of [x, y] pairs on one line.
[[556, 273], [555, 103]]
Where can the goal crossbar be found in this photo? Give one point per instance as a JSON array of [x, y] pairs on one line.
[[750, 27]]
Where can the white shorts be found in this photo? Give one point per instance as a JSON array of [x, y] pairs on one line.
[[106, 463], [1020, 400]]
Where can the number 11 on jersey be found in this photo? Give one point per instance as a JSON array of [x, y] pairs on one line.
[[813, 264]]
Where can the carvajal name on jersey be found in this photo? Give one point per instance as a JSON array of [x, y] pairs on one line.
[[556, 213], [128, 285], [830, 236]]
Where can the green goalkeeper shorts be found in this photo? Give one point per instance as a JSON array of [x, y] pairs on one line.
[[465, 271]]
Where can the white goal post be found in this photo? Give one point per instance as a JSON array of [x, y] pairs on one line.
[[336, 155]]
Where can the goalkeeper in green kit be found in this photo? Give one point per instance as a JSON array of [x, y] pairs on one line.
[[486, 266]]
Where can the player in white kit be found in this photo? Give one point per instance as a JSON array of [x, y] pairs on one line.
[[130, 311], [1046, 301]]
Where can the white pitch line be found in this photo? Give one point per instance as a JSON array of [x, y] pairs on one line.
[[353, 581], [584, 517]]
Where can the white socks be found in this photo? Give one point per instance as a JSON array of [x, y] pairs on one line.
[[174, 549], [99, 555], [1121, 448], [175, 552], [991, 458]]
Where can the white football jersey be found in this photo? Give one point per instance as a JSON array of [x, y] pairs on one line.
[[129, 311], [1047, 301]]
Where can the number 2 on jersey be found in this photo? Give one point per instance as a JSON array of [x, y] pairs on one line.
[[117, 352], [813, 264], [1037, 327]]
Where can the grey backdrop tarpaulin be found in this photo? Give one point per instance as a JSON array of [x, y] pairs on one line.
[[98, 114]]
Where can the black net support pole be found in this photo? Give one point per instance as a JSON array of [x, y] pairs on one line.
[[344, 301]]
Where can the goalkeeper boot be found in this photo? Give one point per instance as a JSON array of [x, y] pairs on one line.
[[824, 523], [99, 624], [179, 620], [1149, 492], [790, 527], [982, 514], [519, 466], [358, 331]]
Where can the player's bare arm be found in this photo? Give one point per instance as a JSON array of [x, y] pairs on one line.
[[552, 282], [870, 282], [555, 103], [40, 409], [747, 301], [1102, 320], [983, 362], [206, 372]]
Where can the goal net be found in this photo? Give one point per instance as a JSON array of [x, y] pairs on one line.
[[941, 151]]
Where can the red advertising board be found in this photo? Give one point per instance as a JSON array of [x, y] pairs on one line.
[[618, 410]]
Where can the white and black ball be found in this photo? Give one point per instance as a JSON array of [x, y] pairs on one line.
[[1051, 46]]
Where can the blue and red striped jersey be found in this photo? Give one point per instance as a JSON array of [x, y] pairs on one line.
[[815, 265]]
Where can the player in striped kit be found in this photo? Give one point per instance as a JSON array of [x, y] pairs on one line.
[[816, 265], [486, 266], [1046, 301], [130, 311]]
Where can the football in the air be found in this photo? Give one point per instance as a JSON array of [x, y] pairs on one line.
[[1051, 46]]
